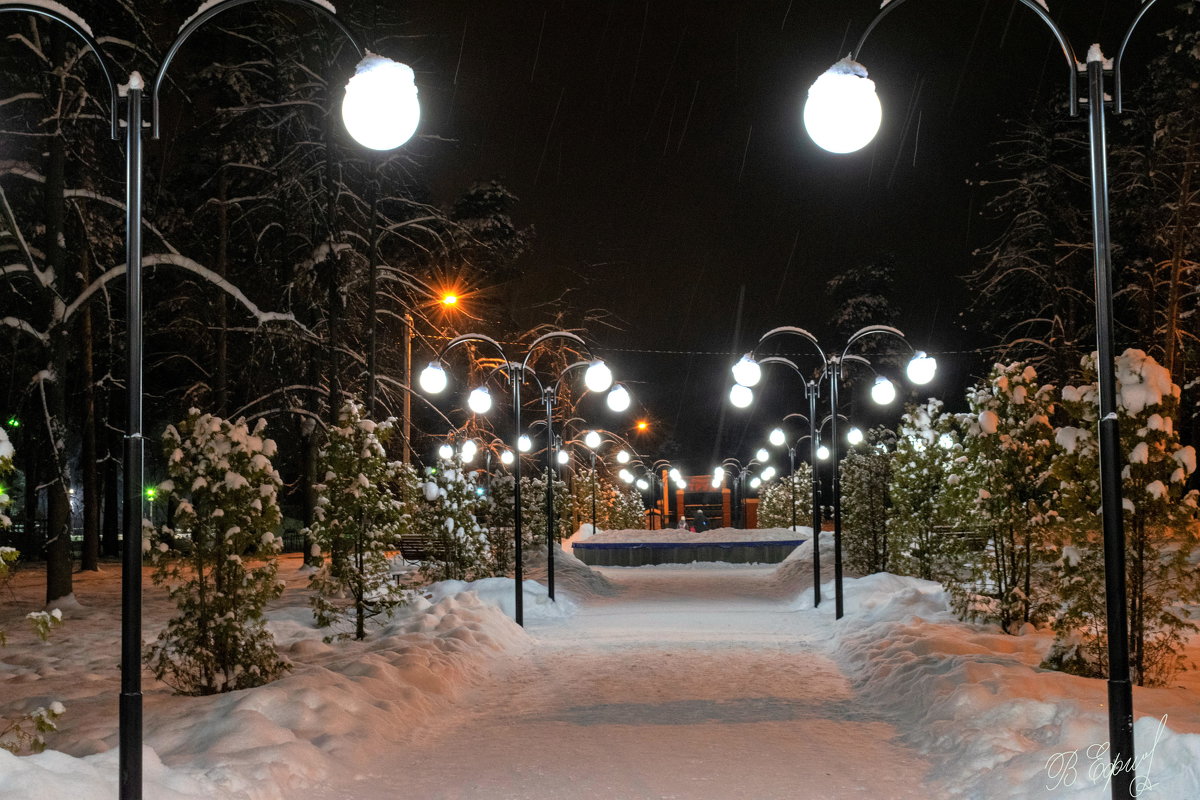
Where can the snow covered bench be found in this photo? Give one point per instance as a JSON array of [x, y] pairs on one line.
[[418, 547]]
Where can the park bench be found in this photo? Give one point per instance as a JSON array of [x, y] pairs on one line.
[[419, 547]]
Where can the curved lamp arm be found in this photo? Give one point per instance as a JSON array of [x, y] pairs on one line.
[[545, 337], [1121, 54], [791, 330], [1032, 5], [83, 31], [809, 384], [195, 22]]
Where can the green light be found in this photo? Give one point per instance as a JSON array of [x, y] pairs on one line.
[[151, 492], [13, 422]]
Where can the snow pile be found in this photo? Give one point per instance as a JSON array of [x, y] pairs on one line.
[[794, 574], [341, 704], [973, 700], [571, 574], [673, 535], [500, 593]]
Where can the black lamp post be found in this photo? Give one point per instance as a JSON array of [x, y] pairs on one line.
[[735, 469], [747, 372], [1120, 692], [130, 706], [433, 380]]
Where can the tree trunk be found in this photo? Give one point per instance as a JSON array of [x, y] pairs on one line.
[[58, 511], [221, 398], [90, 557]]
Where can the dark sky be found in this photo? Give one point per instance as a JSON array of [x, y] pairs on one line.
[[657, 148]]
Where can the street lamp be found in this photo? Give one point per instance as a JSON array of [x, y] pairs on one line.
[[831, 367], [382, 95], [738, 471], [433, 379], [1120, 692]]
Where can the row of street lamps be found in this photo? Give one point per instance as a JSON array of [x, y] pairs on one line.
[[831, 367]]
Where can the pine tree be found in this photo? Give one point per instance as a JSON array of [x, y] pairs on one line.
[[218, 561], [533, 512], [625, 509], [930, 492], [776, 498], [450, 515], [1011, 445], [866, 473], [1159, 519], [360, 515]]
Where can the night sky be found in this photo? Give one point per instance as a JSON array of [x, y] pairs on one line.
[[657, 148]]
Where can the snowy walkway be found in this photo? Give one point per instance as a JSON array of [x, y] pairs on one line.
[[691, 683]]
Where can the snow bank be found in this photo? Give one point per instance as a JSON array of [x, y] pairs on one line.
[[577, 578], [974, 701], [794, 574], [500, 593], [341, 704]]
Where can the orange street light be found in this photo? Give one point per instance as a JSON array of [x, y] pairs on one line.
[[643, 426], [449, 299]]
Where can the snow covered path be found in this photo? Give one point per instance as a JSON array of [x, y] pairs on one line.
[[692, 682]]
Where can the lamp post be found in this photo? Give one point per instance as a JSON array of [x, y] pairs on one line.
[[748, 371], [644, 484], [852, 78], [375, 124], [738, 471], [433, 380]]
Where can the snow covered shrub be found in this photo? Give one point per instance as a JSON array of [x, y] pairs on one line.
[[589, 487], [1010, 444], [626, 509], [448, 516], [929, 492], [533, 511], [1160, 527], [866, 473], [496, 513], [617, 507], [360, 513], [776, 498], [27, 732], [218, 562]]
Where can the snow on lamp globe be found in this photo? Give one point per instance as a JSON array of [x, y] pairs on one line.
[[747, 371], [433, 378], [883, 392], [842, 112], [480, 400], [380, 109], [741, 396], [922, 368], [598, 376], [618, 398]]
